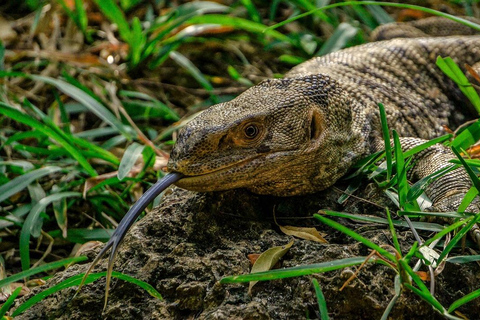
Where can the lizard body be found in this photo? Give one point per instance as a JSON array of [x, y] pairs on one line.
[[309, 128]]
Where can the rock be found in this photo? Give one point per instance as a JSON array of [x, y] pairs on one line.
[[185, 246]]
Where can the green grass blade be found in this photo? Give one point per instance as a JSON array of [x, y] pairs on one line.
[[310, 5], [75, 281], [94, 151], [252, 10], [241, 24], [19, 183], [6, 306], [31, 224], [165, 111], [467, 137], [470, 162], [128, 160], [424, 293], [69, 12], [396, 244], [365, 16], [426, 145], [29, 121], [322, 304], [386, 139], [42, 204], [183, 13], [85, 99], [291, 59], [25, 165], [126, 5], [469, 197], [137, 42], [352, 187], [401, 167], [398, 223], [380, 15], [81, 16], [48, 266], [2, 56], [448, 229], [463, 259], [450, 68], [82, 97], [295, 271], [192, 69], [96, 133], [416, 214], [458, 237], [391, 304], [113, 12], [97, 152], [379, 3], [339, 39], [356, 236], [407, 258], [471, 174], [463, 300], [427, 297], [364, 164], [404, 265], [419, 187], [60, 213], [84, 235]]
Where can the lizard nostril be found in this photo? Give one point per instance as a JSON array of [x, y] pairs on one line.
[[316, 126], [222, 141]]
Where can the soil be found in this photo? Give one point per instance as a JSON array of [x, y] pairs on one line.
[[186, 245]]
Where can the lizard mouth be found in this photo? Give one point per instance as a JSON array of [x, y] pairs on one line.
[[219, 179]]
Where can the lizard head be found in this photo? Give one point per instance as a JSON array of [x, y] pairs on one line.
[[281, 137]]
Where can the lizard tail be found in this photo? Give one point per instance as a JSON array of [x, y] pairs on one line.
[[123, 227]]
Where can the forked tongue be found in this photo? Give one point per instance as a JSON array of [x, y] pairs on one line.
[[124, 225]]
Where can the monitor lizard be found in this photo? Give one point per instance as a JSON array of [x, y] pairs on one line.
[[300, 134]]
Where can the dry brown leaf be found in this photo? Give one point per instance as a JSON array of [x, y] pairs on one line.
[[87, 246], [461, 315], [474, 152], [267, 260], [35, 283], [423, 275], [253, 257], [408, 14], [12, 286], [473, 73], [303, 233]]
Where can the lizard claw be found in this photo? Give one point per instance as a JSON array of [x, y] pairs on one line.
[[124, 225], [475, 234]]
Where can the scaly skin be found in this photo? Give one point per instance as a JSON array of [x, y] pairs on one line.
[[314, 124]]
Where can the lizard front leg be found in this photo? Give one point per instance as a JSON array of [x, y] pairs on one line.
[[447, 191]]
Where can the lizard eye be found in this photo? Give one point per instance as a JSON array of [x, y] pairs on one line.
[[251, 131]]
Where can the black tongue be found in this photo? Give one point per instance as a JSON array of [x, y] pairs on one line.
[[124, 225]]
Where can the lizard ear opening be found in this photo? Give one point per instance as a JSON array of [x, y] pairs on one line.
[[316, 125]]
